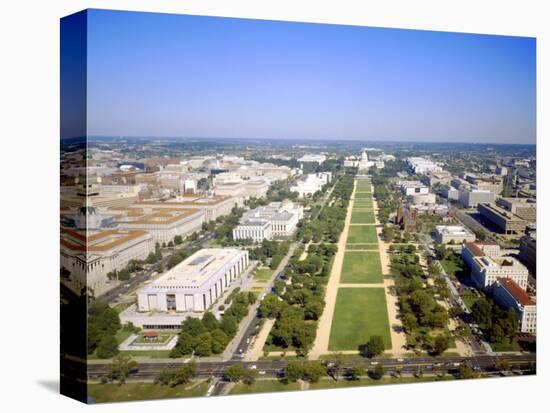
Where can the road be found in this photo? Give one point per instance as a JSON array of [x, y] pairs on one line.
[[478, 344], [247, 328], [274, 368]]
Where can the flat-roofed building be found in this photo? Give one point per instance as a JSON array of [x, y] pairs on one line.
[[422, 165], [213, 207], [507, 222], [525, 208], [312, 183], [255, 229], [528, 251], [281, 218], [510, 295], [449, 192], [487, 265], [422, 199], [90, 255], [470, 198], [413, 188], [457, 233], [163, 223], [433, 178], [317, 158], [194, 284]]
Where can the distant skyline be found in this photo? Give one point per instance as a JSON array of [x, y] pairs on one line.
[[173, 75]]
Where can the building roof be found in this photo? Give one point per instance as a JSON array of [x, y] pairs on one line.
[[474, 249], [98, 242], [516, 291]]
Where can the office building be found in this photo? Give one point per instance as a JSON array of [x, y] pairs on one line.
[[508, 294], [506, 221], [470, 198], [194, 284], [453, 233], [487, 265]]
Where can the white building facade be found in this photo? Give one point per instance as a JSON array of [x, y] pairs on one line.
[[194, 284]]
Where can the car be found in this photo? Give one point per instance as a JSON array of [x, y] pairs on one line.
[[401, 360], [247, 340], [374, 363], [262, 372], [253, 367]]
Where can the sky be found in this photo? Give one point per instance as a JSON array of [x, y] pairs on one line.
[[190, 76]]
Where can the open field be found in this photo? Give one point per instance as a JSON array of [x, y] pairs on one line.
[[363, 195], [112, 392], [362, 235], [359, 314], [361, 267], [362, 247], [362, 217], [263, 274], [363, 203]]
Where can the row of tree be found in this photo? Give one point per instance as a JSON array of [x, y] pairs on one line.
[[207, 336]]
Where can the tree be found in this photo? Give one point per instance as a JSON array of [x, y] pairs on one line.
[[203, 345], [249, 376], [209, 321], [313, 371], [377, 373], [294, 371], [108, 347], [121, 366], [466, 372], [375, 346], [178, 240], [355, 373], [176, 376], [440, 345], [228, 325], [184, 345], [219, 341], [234, 373], [482, 313]]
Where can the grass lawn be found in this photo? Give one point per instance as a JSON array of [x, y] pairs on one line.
[[361, 267], [367, 247], [363, 195], [362, 203], [114, 392], [362, 235], [450, 267], [264, 386], [359, 314], [469, 299], [362, 217], [263, 274], [364, 381]]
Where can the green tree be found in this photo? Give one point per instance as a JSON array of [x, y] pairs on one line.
[[440, 345], [377, 373], [107, 348], [234, 373], [375, 346], [121, 366]]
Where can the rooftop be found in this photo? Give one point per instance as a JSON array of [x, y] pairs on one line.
[[197, 269], [516, 291]]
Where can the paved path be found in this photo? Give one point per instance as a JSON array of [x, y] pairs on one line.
[[257, 349], [320, 346]]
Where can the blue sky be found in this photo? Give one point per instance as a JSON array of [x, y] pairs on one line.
[[189, 76]]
